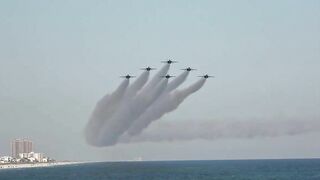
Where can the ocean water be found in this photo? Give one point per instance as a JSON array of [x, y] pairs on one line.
[[303, 169]]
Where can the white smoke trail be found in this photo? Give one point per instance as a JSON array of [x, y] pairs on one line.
[[165, 104], [211, 130], [152, 110], [110, 104], [180, 96], [155, 80], [176, 82], [138, 84], [104, 109], [129, 111]]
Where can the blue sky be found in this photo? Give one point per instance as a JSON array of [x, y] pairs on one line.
[[59, 57]]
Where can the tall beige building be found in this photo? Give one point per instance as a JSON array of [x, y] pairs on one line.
[[21, 146]]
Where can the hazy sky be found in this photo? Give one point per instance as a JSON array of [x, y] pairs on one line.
[[57, 58]]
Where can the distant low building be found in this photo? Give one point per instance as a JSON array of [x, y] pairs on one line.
[[5, 159], [32, 156], [45, 160]]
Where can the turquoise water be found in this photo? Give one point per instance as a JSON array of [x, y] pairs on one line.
[[304, 169]]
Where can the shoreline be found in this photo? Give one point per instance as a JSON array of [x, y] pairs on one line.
[[36, 165], [65, 163]]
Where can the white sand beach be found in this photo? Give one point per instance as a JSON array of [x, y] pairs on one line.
[[34, 165]]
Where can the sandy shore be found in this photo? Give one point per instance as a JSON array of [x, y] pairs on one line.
[[16, 166]]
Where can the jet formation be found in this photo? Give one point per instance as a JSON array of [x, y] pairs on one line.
[[169, 61]]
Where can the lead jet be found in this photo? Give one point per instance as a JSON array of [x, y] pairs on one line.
[[148, 68], [169, 61], [188, 69], [127, 76], [167, 76], [206, 76]]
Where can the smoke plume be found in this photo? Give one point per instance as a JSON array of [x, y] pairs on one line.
[[132, 106], [215, 129], [103, 111], [167, 103], [128, 115]]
